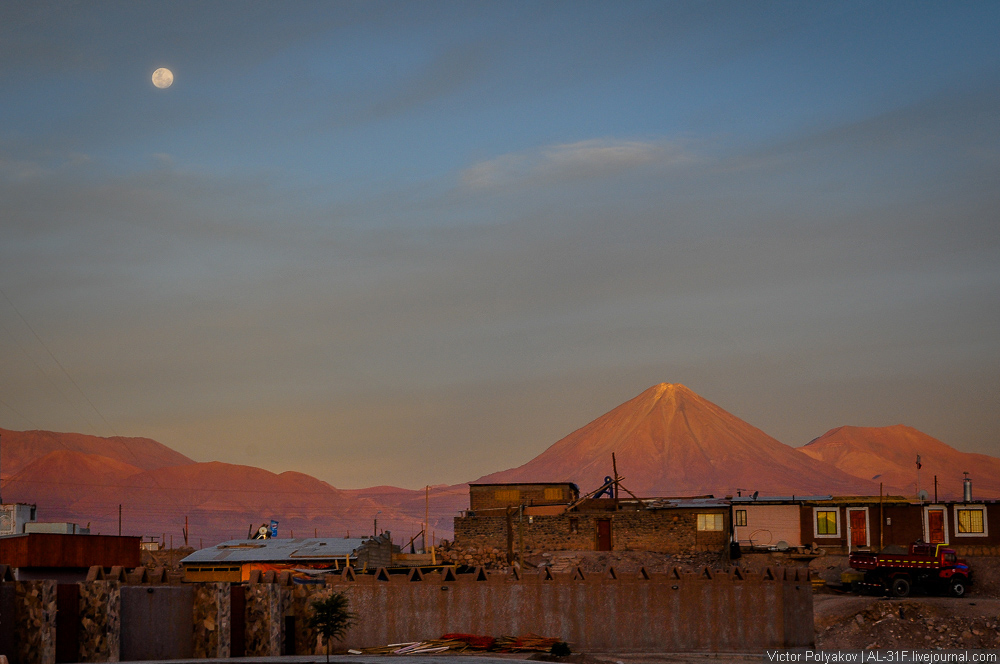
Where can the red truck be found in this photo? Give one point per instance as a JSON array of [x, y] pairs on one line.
[[931, 567]]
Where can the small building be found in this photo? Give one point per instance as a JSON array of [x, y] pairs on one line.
[[552, 517], [14, 517], [235, 560], [487, 497], [65, 557]]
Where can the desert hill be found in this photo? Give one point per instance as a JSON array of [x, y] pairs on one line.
[[20, 448], [221, 501], [889, 454], [669, 441]]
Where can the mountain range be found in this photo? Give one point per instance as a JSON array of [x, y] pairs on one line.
[[667, 441]]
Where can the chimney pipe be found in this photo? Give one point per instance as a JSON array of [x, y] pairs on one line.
[[967, 488]]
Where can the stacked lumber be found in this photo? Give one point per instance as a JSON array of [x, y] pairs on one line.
[[461, 642], [527, 643]]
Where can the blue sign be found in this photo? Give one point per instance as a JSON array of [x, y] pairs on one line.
[[274, 528]]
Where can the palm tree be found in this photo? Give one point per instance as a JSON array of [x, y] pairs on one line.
[[331, 618]]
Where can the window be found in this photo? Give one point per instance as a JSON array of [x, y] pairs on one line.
[[826, 522], [971, 521], [574, 525], [507, 495], [709, 522], [741, 517], [553, 493]]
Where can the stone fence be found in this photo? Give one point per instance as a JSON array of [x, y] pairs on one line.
[[710, 611]]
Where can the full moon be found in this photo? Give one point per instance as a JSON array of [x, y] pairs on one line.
[[163, 77]]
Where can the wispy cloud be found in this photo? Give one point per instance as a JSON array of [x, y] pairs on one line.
[[565, 161]]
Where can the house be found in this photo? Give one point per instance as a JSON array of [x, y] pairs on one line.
[[862, 523], [236, 560]]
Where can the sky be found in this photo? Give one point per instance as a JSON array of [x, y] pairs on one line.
[[414, 243]]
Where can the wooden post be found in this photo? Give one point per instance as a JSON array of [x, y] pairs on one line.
[[427, 513], [119, 519], [510, 536]]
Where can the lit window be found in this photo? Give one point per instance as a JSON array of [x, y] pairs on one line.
[[970, 521], [741, 517], [507, 495], [553, 494], [826, 522], [709, 522]]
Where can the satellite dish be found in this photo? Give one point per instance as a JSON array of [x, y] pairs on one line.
[[922, 494], [755, 494], [782, 545], [263, 532]]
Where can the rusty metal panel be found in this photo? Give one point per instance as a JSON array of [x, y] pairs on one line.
[[59, 550]]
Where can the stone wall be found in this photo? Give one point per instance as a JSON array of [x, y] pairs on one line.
[[35, 621], [264, 620], [212, 620], [100, 621], [483, 539]]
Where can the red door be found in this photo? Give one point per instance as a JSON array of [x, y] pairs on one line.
[[935, 526], [604, 534], [859, 531]]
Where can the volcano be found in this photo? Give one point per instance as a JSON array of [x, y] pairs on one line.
[[889, 455], [668, 441]]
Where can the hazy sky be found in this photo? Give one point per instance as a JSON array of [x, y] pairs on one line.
[[410, 243]]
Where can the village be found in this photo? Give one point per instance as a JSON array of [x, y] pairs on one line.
[[545, 558]]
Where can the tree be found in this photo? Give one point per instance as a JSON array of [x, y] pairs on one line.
[[331, 618]]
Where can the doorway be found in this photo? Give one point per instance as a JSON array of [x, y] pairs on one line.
[[604, 534]]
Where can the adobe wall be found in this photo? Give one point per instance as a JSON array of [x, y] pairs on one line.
[[597, 613]]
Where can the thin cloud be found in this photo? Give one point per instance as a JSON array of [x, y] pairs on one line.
[[567, 161]]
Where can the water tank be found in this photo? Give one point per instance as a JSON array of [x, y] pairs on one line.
[[967, 489]]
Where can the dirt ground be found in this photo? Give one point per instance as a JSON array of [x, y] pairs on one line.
[[846, 620]]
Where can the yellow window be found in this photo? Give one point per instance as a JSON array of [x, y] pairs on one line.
[[970, 521], [826, 522], [709, 522], [553, 493], [507, 495]]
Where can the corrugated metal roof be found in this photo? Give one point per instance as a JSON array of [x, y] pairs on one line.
[[278, 550]]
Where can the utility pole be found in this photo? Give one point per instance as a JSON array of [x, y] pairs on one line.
[[935, 488], [427, 517], [119, 519]]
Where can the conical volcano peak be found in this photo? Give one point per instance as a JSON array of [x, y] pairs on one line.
[[668, 440]]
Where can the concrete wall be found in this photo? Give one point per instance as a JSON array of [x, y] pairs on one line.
[[156, 622]]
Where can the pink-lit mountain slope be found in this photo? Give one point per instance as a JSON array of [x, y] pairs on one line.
[[221, 501], [20, 448], [889, 455], [669, 441]]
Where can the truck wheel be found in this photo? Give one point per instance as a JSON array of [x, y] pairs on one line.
[[957, 588], [901, 588]]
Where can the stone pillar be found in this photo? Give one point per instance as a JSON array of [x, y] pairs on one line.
[[36, 622], [100, 621], [212, 612], [263, 630]]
